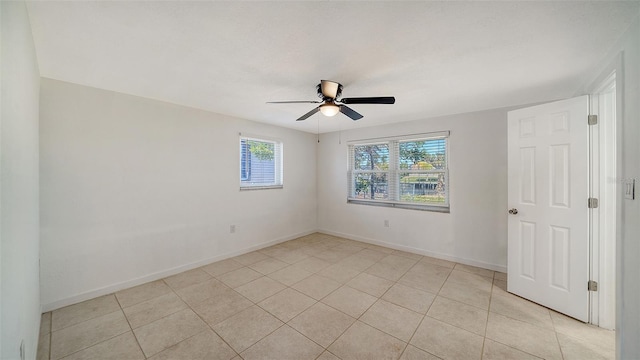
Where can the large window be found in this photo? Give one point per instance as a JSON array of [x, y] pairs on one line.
[[409, 172], [260, 163]]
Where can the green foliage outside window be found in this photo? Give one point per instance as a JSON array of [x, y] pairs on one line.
[[261, 150]]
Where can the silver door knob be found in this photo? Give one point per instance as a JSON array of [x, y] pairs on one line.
[[513, 211]]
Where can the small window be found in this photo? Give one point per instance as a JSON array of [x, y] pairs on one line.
[[407, 172], [260, 164]]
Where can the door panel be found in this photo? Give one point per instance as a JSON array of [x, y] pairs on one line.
[[548, 244], [528, 175], [527, 250]]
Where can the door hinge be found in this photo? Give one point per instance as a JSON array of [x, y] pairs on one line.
[[592, 119], [592, 203], [592, 285]]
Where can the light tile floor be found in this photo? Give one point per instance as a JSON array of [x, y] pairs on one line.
[[320, 297]]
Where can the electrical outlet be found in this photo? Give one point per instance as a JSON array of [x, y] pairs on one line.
[[386, 223], [232, 229]]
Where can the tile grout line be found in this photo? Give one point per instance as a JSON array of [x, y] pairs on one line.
[[206, 323], [91, 318], [417, 327], [165, 316], [264, 337], [356, 319], [427, 312], [254, 304], [514, 348], [525, 322], [320, 301], [555, 332], [283, 323], [178, 296], [92, 345], [486, 325], [337, 357], [194, 335], [339, 336], [370, 306], [50, 335], [296, 330], [130, 327]]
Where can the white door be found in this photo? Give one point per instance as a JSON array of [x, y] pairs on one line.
[[548, 226]]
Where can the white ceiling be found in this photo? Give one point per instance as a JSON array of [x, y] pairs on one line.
[[436, 58]]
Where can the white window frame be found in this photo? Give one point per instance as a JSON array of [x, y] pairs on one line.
[[278, 171], [393, 179]]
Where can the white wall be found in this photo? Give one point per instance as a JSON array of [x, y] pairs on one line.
[[134, 189], [475, 232], [628, 266], [20, 297]]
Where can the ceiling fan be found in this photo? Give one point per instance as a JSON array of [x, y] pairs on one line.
[[331, 103]]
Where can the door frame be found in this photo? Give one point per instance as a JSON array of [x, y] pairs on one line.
[[606, 141], [602, 162]]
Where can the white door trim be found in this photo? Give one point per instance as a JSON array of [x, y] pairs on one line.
[[598, 81], [603, 178]]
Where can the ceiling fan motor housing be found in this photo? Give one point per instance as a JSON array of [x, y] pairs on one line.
[[327, 98]]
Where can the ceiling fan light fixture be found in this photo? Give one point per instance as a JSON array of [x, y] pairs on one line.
[[329, 109]]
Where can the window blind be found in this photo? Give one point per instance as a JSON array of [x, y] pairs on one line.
[[405, 171]]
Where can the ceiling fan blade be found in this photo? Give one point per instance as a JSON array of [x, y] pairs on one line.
[[305, 116], [369, 100], [354, 115], [294, 102], [329, 88]]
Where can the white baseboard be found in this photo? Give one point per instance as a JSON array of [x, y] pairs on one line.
[[162, 274], [176, 270], [481, 264]]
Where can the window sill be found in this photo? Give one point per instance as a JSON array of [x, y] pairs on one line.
[[408, 206], [249, 188]]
